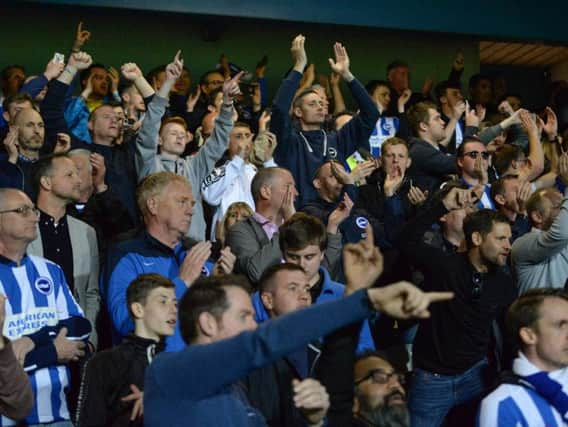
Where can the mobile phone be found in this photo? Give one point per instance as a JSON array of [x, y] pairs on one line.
[[59, 58]]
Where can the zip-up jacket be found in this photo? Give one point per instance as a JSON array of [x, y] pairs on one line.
[[107, 379]]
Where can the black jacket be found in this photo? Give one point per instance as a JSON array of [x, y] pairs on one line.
[[107, 379]]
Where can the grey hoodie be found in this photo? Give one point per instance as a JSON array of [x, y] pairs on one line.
[[195, 168]]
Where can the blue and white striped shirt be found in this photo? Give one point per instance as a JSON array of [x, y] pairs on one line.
[[38, 300], [512, 405]]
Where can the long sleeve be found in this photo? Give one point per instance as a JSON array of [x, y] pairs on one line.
[[77, 118], [92, 297], [280, 121], [332, 253], [489, 134], [122, 274], [52, 112], [183, 375], [146, 153], [252, 257], [202, 163], [34, 86], [355, 134], [16, 398], [425, 257], [92, 406], [216, 183], [536, 247]]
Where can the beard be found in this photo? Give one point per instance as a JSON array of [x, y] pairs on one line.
[[386, 415]]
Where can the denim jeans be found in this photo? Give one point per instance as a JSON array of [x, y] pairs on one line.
[[431, 396]]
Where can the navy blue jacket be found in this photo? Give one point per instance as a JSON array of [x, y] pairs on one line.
[[429, 165], [193, 387], [303, 152]]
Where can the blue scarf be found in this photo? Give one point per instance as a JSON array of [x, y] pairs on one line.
[[551, 386]]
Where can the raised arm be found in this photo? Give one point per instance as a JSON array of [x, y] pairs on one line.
[[546, 244], [177, 375], [212, 150], [147, 138], [338, 101], [52, 107], [535, 165], [355, 134], [280, 123]]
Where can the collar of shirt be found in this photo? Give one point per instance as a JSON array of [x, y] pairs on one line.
[[12, 263], [48, 220], [268, 226]]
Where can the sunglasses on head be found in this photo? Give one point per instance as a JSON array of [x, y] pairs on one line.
[[475, 154]]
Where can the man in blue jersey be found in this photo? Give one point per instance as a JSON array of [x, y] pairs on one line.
[[43, 321], [537, 392], [166, 202]]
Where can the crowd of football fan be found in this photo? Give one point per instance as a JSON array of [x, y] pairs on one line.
[[194, 253]]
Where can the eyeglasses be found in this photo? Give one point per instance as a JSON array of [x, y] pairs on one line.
[[477, 281], [378, 376], [24, 211], [475, 154]]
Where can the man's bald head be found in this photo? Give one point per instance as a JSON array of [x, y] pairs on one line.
[[207, 124], [31, 130]]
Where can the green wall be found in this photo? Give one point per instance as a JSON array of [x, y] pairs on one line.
[[32, 33]]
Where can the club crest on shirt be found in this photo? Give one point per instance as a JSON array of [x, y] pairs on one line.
[[44, 285], [205, 271], [215, 175], [332, 153], [361, 222]]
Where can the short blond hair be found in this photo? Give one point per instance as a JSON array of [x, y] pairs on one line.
[[153, 185]]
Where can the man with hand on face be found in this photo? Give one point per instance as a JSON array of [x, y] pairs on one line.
[[450, 349], [387, 127], [472, 161], [389, 194], [510, 196], [380, 398], [429, 164], [231, 181], [166, 202], [97, 199], [254, 241], [540, 257], [23, 143], [303, 149], [172, 137], [336, 195]]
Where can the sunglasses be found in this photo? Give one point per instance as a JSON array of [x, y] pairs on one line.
[[477, 281], [475, 154]]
